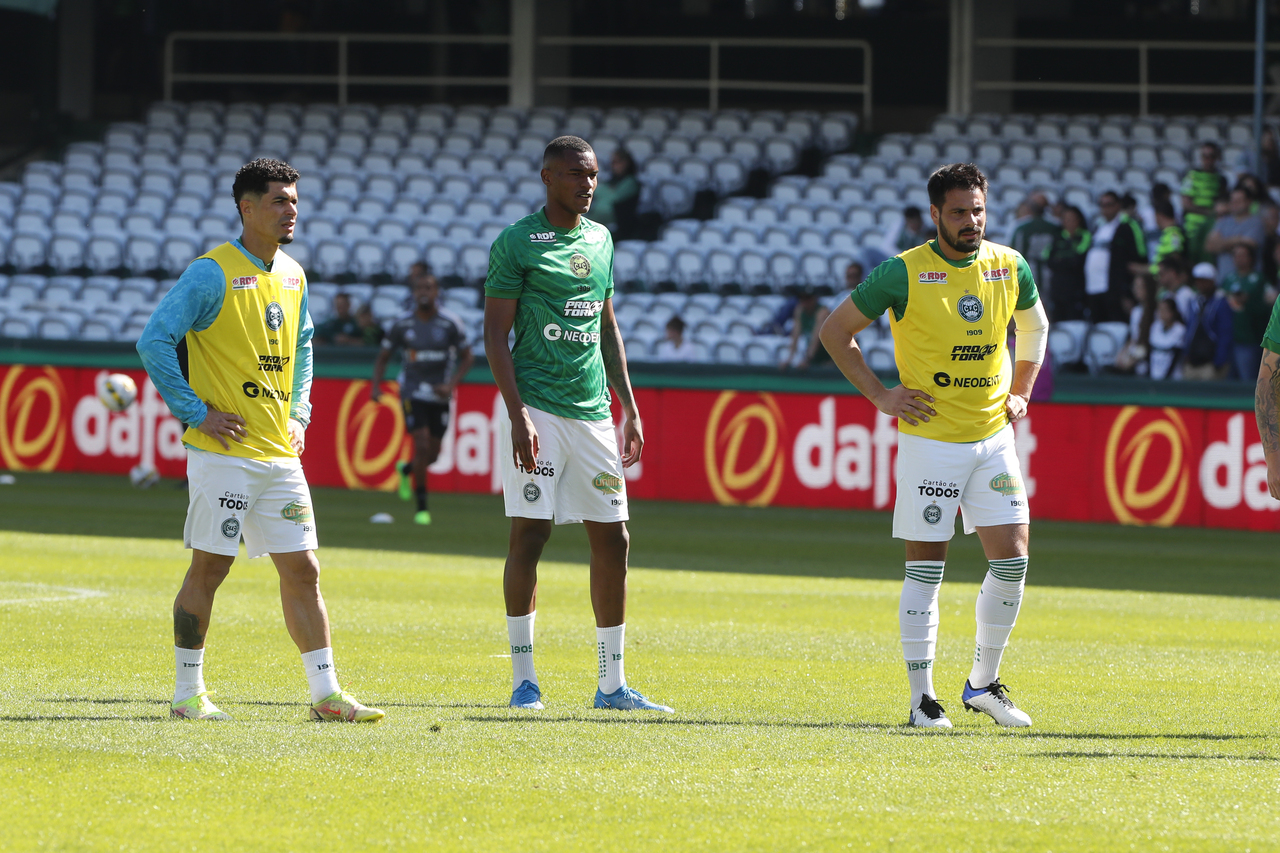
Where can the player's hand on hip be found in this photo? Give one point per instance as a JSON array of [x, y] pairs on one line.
[[444, 390], [297, 436], [1015, 406], [524, 442], [907, 403], [632, 441], [223, 424]]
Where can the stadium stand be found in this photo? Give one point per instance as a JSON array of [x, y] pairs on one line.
[[93, 241]]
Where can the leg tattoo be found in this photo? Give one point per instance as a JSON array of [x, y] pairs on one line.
[[186, 629]]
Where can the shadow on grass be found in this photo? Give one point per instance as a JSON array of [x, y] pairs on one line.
[[81, 718], [688, 537], [1171, 755], [95, 701], [268, 704], [1138, 736], [669, 720]]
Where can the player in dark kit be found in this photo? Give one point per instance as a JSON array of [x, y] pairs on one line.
[[437, 355]]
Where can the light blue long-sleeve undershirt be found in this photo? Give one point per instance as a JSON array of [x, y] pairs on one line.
[[192, 305]]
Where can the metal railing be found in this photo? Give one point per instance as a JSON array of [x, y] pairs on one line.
[[1143, 87], [343, 79], [714, 83]]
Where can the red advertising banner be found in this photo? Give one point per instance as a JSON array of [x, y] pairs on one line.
[[1127, 465]]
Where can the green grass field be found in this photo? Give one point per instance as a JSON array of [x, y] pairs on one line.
[[1147, 659]]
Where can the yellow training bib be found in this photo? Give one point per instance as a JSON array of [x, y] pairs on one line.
[[243, 363], [950, 342]]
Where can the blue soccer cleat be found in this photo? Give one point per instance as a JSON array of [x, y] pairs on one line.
[[626, 699], [527, 696]]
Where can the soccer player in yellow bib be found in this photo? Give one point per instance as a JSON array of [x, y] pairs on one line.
[[242, 311], [951, 301]]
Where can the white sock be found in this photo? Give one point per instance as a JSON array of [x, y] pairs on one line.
[[918, 624], [321, 675], [609, 644], [520, 633], [996, 612], [189, 680]]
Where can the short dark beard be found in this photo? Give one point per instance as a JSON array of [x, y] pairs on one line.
[[284, 241], [952, 241]]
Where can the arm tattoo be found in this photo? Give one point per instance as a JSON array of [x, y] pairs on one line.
[[615, 362], [186, 629], [1265, 408]]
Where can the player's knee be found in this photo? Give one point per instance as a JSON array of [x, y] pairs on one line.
[[302, 572], [209, 572], [530, 535], [614, 540]]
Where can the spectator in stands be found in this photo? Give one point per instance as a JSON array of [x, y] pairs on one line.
[[1133, 356], [1064, 259], [1129, 210], [1173, 240], [616, 199], [1208, 344], [1245, 292], [370, 331], [675, 347], [1107, 267], [911, 232], [1241, 228], [1202, 189], [1269, 213], [1167, 334], [1033, 234], [1175, 283], [341, 328], [1252, 186], [1270, 158], [780, 322], [809, 316], [853, 275]]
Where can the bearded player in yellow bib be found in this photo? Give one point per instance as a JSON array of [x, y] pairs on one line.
[[241, 310], [951, 301]]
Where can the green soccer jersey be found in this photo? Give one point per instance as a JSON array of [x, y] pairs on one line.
[[1204, 188], [561, 279]]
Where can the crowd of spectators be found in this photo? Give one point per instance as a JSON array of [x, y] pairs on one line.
[[1192, 274]]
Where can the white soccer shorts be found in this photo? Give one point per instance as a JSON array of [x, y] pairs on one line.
[[578, 476], [982, 478], [266, 500]]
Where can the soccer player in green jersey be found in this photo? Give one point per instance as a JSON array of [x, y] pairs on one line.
[[551, 279]]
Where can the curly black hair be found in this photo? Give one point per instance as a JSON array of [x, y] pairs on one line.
[[955, 176], [255, 176]]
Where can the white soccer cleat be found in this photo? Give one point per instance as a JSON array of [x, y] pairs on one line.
[[929, 715], [992, 701]]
